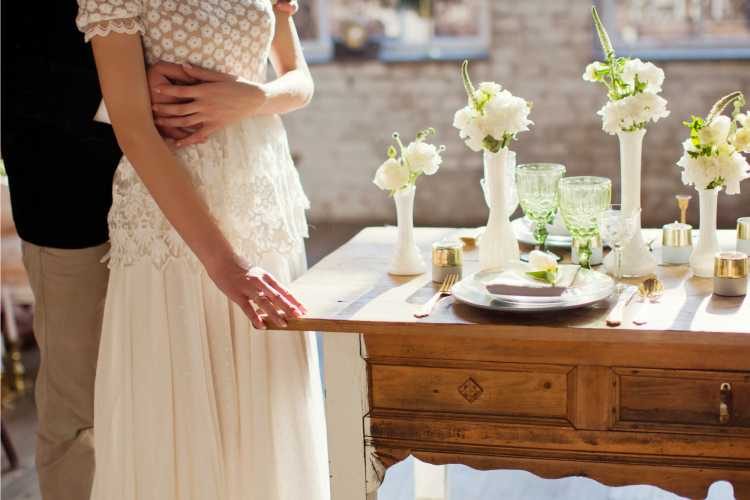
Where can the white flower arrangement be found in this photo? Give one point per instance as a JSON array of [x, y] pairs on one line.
[[633, 87], [713, 155], [402, 170], [492, 117]]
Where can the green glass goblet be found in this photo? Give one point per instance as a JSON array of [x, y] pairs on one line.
[[582, 202], [538, 193]]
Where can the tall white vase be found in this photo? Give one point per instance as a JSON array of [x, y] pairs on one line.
[[407, 259], [636, 258], [702, 258], [497, 246]]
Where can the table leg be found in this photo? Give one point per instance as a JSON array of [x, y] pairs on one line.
[[346, 405]]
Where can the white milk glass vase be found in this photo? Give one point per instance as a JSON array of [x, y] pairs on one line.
[[498, 246], [407, 259], [702, 258], [636, 258]]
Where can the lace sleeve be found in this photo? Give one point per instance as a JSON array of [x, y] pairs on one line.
[[102, 17]]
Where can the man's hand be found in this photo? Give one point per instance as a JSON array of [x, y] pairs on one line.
[[166, 73], [289, 7], [219, 101]]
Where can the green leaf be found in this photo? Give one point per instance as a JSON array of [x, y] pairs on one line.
[[718, 182], [609, 52], [549, 277], [491, 144]]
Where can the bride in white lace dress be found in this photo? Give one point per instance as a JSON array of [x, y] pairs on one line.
[[193, 401]]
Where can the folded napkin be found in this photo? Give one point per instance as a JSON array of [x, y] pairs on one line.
[[515, 283]]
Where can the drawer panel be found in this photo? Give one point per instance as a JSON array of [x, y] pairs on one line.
[[684, 398], [537, 393]]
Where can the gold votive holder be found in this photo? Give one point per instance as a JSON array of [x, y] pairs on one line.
[[676, 243], [730, 274], [743, 235], [447, 258]]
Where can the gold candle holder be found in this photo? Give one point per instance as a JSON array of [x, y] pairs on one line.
[[730, 274], [676, 243], [447, 258]]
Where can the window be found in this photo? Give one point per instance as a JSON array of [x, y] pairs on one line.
[[396, 30], [679, 29], [313, 28]]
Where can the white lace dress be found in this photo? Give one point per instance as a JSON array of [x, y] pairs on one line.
[[191, 403]]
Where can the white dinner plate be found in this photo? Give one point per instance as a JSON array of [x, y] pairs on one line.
[[590, 287]]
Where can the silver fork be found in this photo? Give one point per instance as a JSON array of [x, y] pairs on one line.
[[446, 290]]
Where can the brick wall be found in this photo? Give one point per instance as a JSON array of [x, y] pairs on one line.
[[539, 50]]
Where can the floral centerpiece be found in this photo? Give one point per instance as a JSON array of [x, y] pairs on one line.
[[399, 175], [633, 88], [490, 122], [713, 159]]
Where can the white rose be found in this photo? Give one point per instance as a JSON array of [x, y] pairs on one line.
[[716, 132], [391, 175], [648, 73], [590, 74], [542, 261], [742, 140], [422, 158]]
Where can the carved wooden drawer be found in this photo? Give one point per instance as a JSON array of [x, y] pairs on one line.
[[509, 391], [710, 401]]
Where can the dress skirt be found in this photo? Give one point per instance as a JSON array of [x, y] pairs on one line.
[[193, 403]]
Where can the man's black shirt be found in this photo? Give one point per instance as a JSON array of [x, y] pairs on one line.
[[59, 161]]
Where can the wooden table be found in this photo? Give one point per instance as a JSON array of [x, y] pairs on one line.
[[557, 394]]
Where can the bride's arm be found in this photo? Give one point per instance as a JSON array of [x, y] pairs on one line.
[[293, 89], [122, 75]]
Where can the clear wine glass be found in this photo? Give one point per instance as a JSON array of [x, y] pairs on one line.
[[582, 202], [538, 192], [617, 228]]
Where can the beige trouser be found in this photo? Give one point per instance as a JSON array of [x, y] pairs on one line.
[[69, 288]]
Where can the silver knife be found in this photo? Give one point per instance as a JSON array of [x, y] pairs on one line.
[[623, 300]]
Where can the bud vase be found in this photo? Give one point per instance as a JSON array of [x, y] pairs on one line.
[[702, 258], [407, 259], [636, 258], [498, 246]]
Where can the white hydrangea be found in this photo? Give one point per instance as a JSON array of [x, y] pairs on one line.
[[716, 132], [632, 112], [648, 73], [502, 114], [392, 175], [422, 158], [742, 140], [700, 172]]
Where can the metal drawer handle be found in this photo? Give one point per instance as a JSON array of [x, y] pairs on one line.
[[725, 403]]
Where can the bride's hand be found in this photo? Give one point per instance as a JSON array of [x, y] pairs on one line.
[[219, 101], [250, 286]]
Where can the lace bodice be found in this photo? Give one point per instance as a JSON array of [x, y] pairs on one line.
[[231, 36], [245, 173]]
